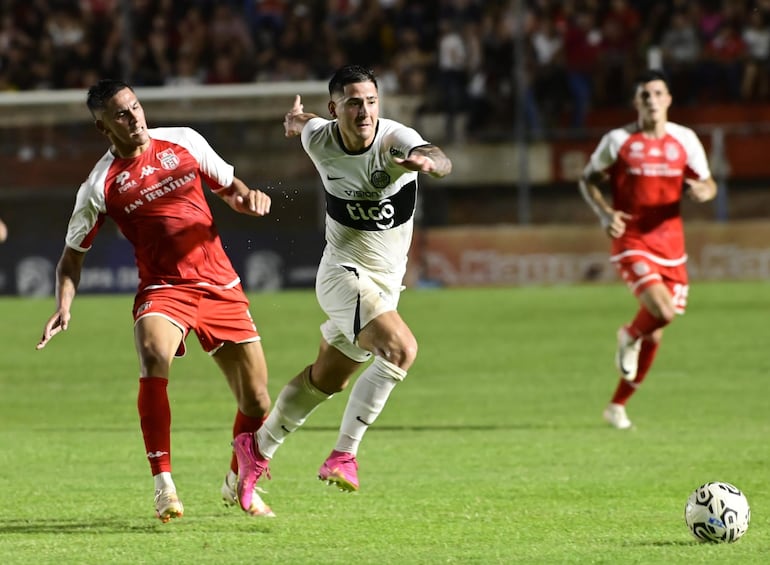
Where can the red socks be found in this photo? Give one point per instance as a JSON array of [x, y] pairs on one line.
[[644, 324], [155, 420], [243, 424]]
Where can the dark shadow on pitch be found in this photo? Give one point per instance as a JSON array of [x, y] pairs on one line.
[[664, 543]]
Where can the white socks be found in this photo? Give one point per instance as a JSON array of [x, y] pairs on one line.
[[163, 481], [367, 399], [294, 404], [299, 398]]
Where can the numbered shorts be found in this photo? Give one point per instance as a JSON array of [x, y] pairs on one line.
[[217, 315], [639, 272], [352, 297]]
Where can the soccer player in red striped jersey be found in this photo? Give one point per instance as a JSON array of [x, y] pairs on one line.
[[648, 166], [150, 183]]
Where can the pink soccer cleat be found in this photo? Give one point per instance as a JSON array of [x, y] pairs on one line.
[[340, 469], [251, 466]]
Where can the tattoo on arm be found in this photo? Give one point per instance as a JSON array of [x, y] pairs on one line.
[[443, 164]]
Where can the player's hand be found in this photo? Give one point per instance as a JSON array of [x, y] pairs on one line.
[[615, 223], [419, 163], [291, 126], [699, 190], [59, 322], [254, 203]]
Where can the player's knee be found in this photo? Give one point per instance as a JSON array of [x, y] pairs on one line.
[[666, 312], [403, 354], [662, 309], [154, 360], [255, 405]]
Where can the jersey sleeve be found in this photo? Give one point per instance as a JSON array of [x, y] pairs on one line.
[[696, 157], [605, 154], [217, 172], [402, 140], [87, 216], [313, 129]]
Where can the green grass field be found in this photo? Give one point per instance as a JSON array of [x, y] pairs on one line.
[[492, 451]]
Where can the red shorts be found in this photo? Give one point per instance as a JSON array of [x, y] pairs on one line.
[[639, 272], [216, 315]]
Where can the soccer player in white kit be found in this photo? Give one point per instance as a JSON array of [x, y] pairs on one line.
[[648, 165], [369, 168]]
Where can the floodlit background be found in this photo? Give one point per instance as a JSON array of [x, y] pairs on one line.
[[517, 93]]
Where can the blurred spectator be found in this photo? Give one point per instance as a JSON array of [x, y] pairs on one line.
[[452, 56], [550, 75], [618, 65], [756, 36], [582, 47], [681, 55], [153, 57], [476, 93], [452, 75], [722, 67], [710, 18]]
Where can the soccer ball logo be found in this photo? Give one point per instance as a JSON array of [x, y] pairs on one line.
[[717, 512]]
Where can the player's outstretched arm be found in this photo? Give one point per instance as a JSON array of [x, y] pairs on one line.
[[67, 279], [245, 200], [295, 119], [428, 159]]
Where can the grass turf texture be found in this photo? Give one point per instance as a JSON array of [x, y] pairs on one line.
[[492, 451]]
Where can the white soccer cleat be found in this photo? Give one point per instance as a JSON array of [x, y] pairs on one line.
[[627, 356], [615, 415], [230, 497], [167, 505]]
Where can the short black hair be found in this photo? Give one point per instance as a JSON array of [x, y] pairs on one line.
[[350, 74], [650, 75], [102, 91]]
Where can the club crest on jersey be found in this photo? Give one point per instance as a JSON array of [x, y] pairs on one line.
[[168, 159], [380, 179], [672, 151]]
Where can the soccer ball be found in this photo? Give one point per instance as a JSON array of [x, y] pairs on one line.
[[717, 512]]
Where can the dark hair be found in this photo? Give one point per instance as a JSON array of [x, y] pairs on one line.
[[350, 74], [649, 76], [102, 91]]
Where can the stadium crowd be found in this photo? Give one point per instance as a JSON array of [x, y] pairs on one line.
[[458, 55]]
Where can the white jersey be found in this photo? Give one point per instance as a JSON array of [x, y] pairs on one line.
[[370, 200]]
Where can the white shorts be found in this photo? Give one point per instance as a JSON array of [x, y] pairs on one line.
[[352, 297]]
